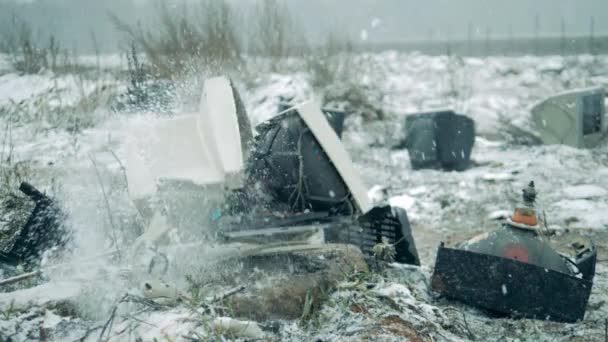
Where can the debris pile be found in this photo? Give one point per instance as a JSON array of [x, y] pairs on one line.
[[279, 236]]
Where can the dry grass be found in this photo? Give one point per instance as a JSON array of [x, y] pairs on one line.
[[331, 62], [276, 34], [188, 39], [31, 55], [515, 134]]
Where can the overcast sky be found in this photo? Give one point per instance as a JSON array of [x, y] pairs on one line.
[[416, 19], [374, 20]]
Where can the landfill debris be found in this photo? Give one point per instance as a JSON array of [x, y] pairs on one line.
[[42, 231], [575, 118], [297, 179], [162, 292], [285, 157], [439, 140], [394, 304], [324, 183], [517, 270]]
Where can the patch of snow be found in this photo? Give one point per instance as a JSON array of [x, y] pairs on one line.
[[394, 291], [419, 190], [377, 194], [586, 191], [499, 214], [581, 213], [5, 64], [404, 201], [41, 295]]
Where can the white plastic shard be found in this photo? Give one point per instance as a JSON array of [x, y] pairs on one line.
[[203, 148], [315, 120], [219, 127]]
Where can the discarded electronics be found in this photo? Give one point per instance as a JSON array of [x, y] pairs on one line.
[[43, 230], [291, 164], [515, 270], [295, 178], [576, 118], [334, 116], [439, 140]]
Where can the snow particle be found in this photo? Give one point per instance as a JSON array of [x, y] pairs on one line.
[[363, 35]]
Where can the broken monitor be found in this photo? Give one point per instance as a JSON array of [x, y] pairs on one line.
[[520, 269], [197, 171], [576, 118], [439, 140]]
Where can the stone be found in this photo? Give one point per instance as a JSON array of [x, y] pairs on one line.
[[297, 273]]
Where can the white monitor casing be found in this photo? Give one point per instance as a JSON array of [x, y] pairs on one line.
[[559, 119]]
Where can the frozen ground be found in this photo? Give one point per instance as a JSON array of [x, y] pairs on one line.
[[442, 206]]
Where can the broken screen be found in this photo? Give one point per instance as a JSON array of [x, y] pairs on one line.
[[592, 113]]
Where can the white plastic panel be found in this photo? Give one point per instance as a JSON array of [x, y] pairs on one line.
[[218, 124], [180, 154], [328, 139], [204, 148]]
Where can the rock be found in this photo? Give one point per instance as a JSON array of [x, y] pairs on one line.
[[297, 272]]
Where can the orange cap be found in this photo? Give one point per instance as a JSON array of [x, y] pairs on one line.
[[525, 216]]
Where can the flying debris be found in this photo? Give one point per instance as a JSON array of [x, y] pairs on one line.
[[439, 140], [576, 118], [517, 270], [42, 231], [292, 181]]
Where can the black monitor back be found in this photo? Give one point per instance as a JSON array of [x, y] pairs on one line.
[[440, 140], [293, 167]]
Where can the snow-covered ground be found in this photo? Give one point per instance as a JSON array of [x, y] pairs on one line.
[[442, 206]]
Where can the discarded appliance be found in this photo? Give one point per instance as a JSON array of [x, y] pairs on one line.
[[208, 147], [517, 271], [43, 230], [300, 162], [334, 116], [576, 118], [297, 178], [439, 140], [294, 167], [178, 170]]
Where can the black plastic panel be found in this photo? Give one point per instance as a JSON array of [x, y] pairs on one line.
[[440, 140], [510, 287], [368, 230]]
